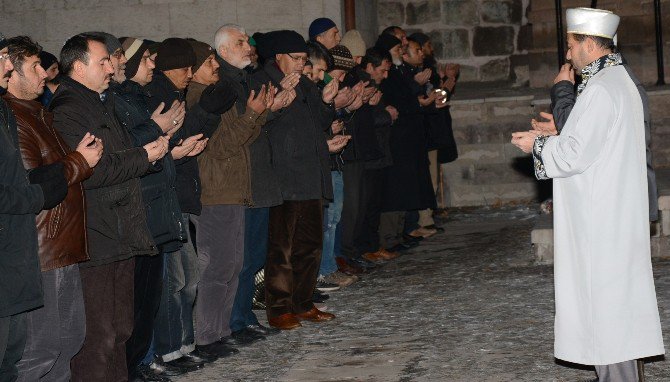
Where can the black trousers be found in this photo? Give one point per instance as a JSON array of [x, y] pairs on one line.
[[13, 332], [294, 256], [367, 236], [354, 205], [147, 298]]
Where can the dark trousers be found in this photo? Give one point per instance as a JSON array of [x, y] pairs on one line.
[[294, 256], [56, 331], [256, 222], [108, 301], [220, 237], [12, 342], [173, 328], [147, 297], [411, 221], [367, 237], [354, 206]]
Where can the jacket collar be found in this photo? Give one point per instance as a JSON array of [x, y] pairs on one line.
[[273, 71], [68, 84], [31, 106], [231, 72], [164, 82]]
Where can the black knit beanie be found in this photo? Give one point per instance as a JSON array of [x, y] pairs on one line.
[[283, 41], [174, 53], [202, 52], [386, 42]]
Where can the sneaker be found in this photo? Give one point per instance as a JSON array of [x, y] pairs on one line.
[[324, 286], [318, 297], [340, 279]]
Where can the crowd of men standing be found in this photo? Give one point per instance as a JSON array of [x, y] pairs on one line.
[[144, 184]]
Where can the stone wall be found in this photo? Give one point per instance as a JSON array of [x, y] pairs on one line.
[[489, 38], [636, 37], [491, 171], [51, 22]]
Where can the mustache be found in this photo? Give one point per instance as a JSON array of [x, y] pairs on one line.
[[8, 74]]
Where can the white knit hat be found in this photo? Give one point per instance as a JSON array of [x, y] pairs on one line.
[[354, 41], [592, 22]]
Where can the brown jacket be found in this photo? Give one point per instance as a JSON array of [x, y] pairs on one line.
[[225, 166], [61, 230]]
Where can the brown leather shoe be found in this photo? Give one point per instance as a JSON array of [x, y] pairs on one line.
[[388, 255], [286, 321], [344, 267], [315, 315], [375, 257]]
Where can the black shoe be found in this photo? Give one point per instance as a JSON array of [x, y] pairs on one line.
[[216, 349], [199, 358], [318, 297], [158, 367], [361, 262], [263, 330], [402, 247], [187, 362], [144, 374], [411, 239], [242, 338]]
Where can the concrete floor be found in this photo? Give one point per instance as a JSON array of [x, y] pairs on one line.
[[466, 305]]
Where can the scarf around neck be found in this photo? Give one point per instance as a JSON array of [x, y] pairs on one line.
[[590, 70]]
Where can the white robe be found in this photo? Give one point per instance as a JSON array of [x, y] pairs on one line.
[[606, 310]]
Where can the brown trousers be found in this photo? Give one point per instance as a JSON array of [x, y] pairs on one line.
[[108, 302], [294, 256]]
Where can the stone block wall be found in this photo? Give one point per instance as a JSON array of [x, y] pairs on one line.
[[51, 22], [492, 171], [636, 36], [489, 38]]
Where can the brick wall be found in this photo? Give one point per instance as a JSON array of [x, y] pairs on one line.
[[489, 38], [51, 22]]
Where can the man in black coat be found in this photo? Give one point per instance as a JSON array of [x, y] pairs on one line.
[[301, 163], [407, 180], [20, 201], [174, 337], [80, 105], [158, 191]]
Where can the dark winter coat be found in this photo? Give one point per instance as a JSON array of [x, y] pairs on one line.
[[563, 98], [298, 139], [158, 187], [62, 229], [407, 181], [439, 131], [265, 191], [363, 145], [20, 280], [197, 121], [116, 221]]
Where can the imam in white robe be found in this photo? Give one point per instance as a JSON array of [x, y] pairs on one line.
[[606, 310]]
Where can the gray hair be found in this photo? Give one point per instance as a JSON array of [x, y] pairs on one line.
[[222, 35]]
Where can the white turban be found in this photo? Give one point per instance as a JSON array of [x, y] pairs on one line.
[[592, 22]]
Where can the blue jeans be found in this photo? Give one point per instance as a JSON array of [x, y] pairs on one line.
[[173, 327], [256, 222], [331, 218]]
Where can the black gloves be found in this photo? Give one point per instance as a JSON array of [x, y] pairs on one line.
[[51, 178], [218, 98]]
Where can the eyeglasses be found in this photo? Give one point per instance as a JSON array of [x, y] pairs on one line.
[[299, 58]]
